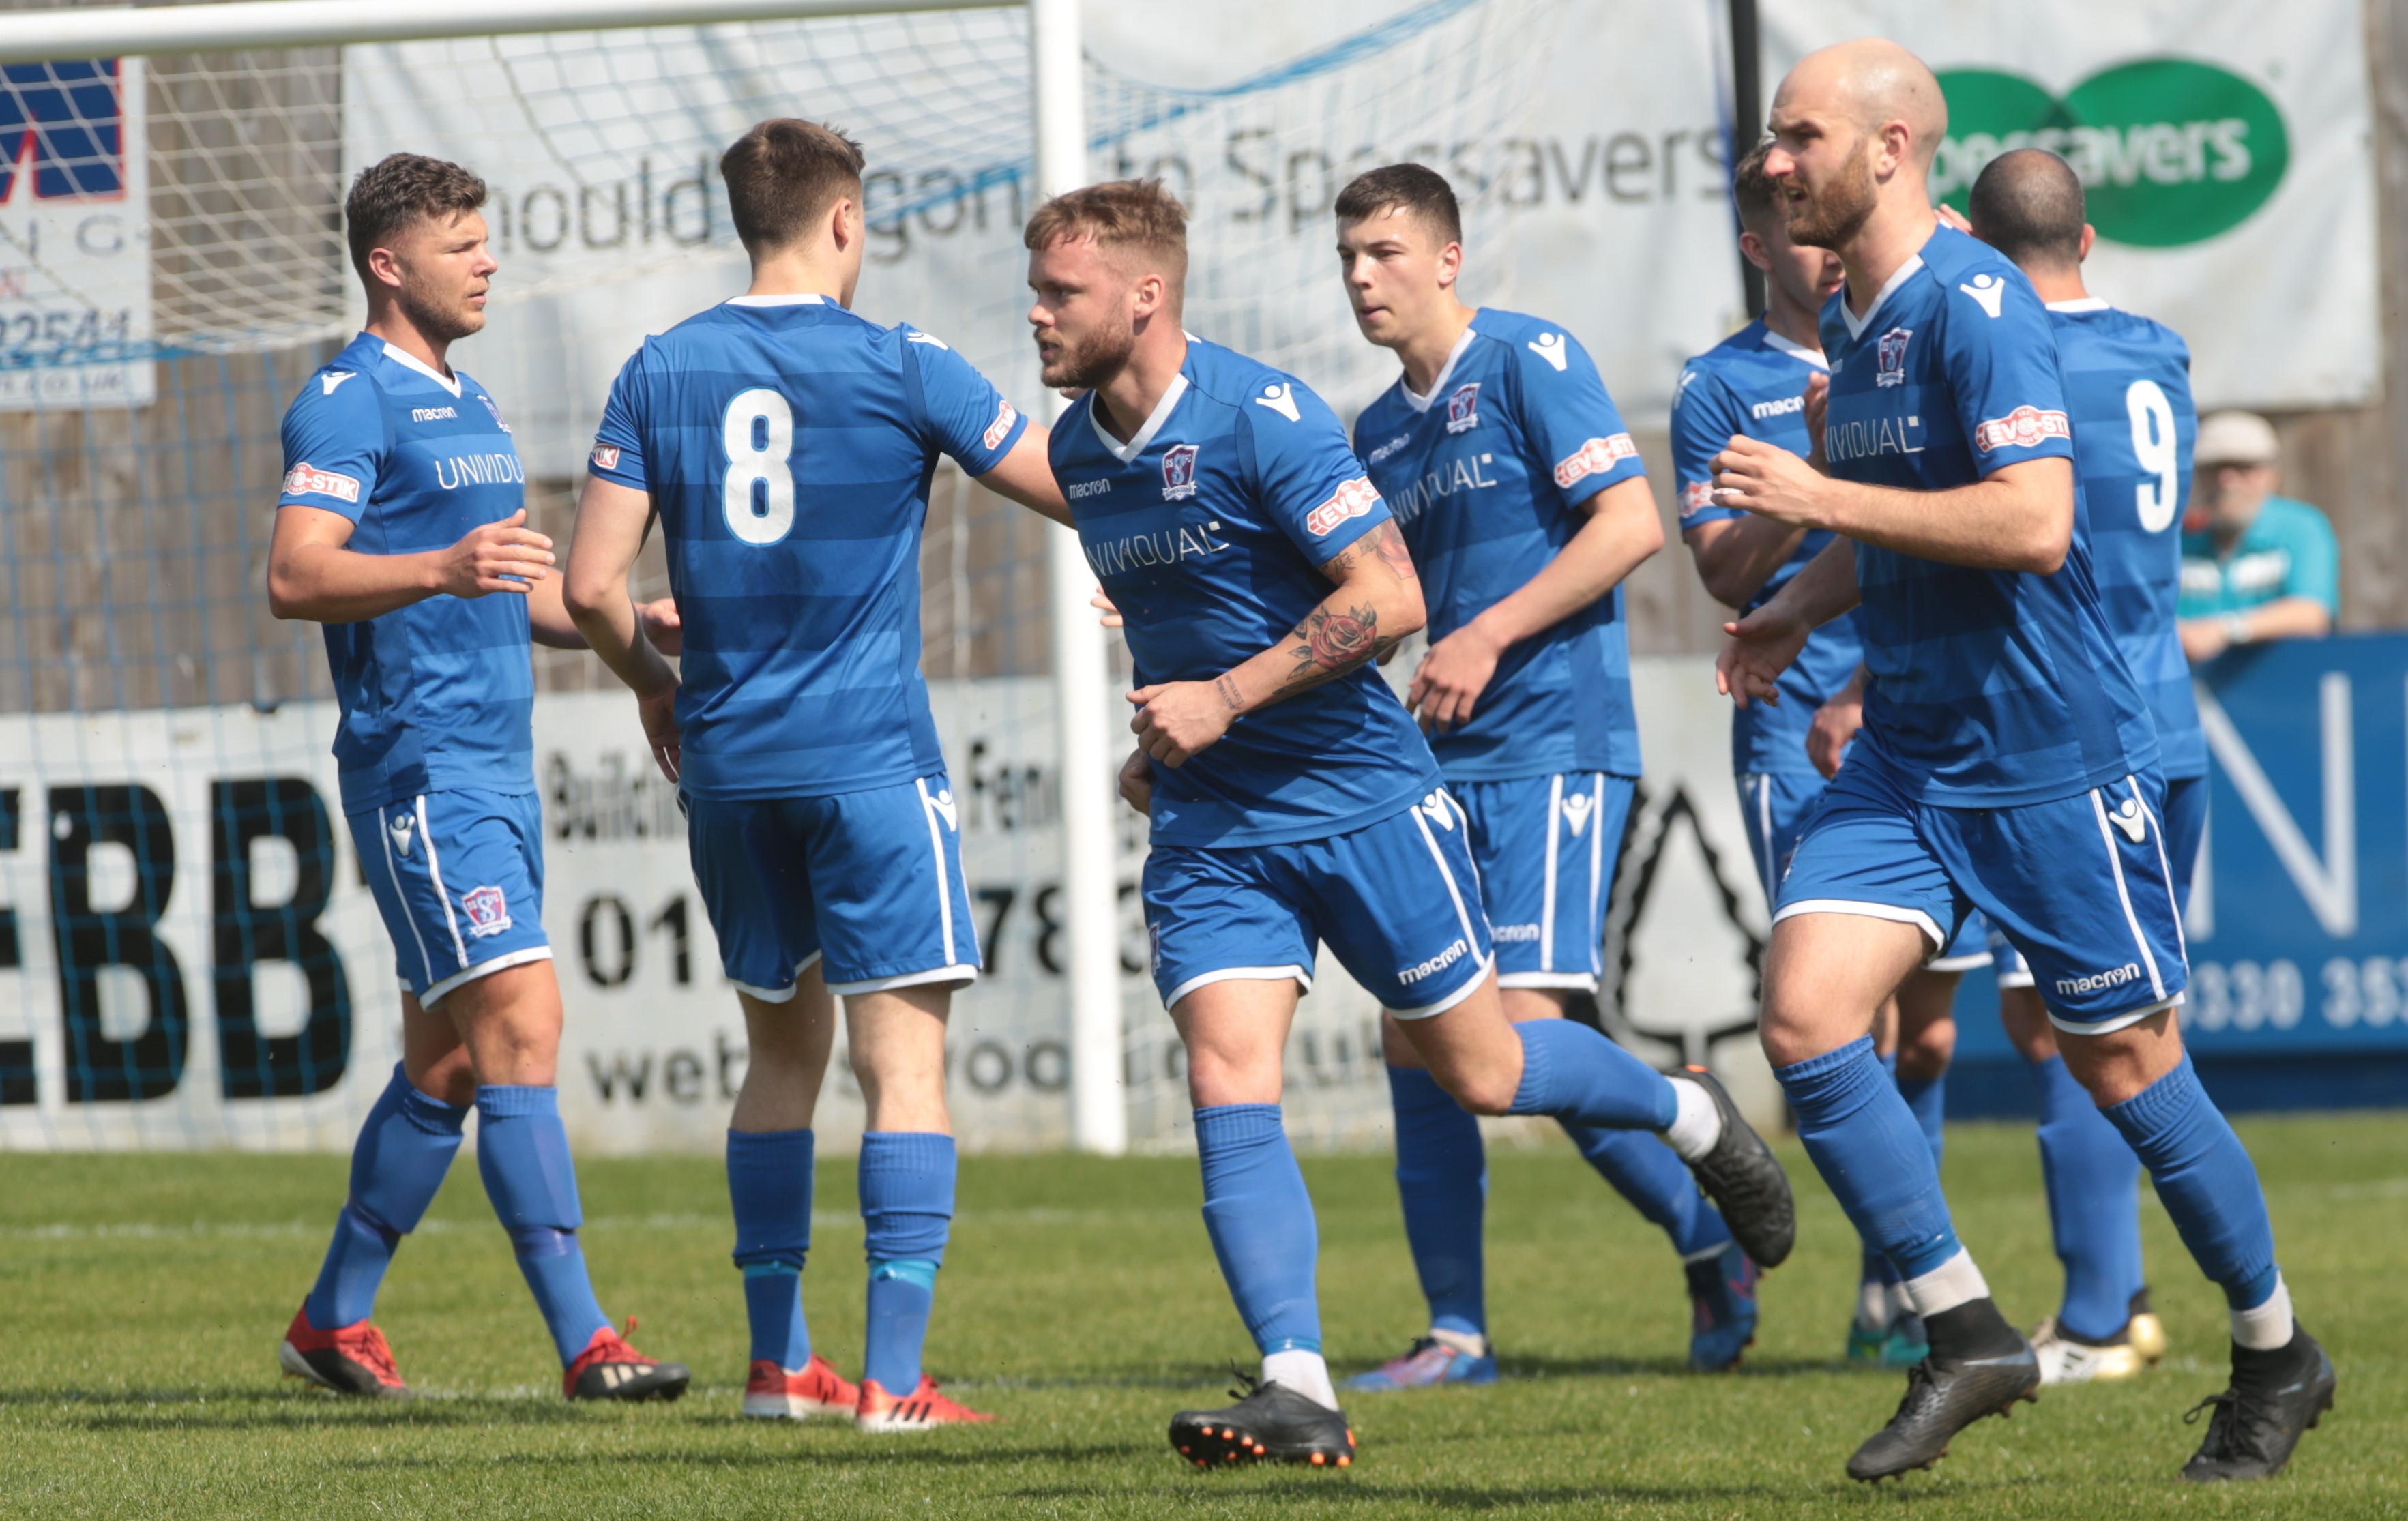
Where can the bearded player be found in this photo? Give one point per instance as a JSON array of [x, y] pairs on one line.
[[1523, 502], [402, 527]]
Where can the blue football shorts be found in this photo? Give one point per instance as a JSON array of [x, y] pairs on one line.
[[1776, 807], [1396, 901], [2185, 824], [868, 883], [458, 876], [1546, 847], [2082, 887]]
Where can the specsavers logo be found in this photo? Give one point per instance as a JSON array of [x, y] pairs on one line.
[[2170, 151]]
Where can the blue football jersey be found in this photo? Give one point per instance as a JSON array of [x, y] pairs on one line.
[[2129, 380], [441, 693], [787, 445], [1754, 384], [1486, 476], [1208, 529], [1992, 688]]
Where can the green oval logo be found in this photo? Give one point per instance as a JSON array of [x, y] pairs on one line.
[[2170, 151]]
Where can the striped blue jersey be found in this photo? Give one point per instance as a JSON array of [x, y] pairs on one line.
[[788, 445], [1487, 475], [1992, 688], [1208, 529], [441, 693], [2128, 382], [1754, 384]]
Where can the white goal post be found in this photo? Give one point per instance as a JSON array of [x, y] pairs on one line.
[[1099, 1121]]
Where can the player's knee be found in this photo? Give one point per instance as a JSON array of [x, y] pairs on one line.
[[1480, 1090], [1924, 1053], [450, 1077]]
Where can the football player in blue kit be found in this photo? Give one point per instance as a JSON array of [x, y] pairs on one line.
[[2008, 763], [402, 527], [786, 446], [1754, 382], [1524, 505], [1293, 800]]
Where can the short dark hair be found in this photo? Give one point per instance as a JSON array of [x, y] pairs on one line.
[[2028, 204], [400, 188], [1118, 213], [784, 175], [1403, 187], [1754, 195]]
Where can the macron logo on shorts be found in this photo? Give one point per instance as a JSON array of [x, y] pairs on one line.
[[2112, 977], [1439, 963], [307, 479], [2023, 428], [1595, 457], [1513, 934], [1351, 500]]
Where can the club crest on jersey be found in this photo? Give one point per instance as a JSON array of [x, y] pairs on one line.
[[488, 910], [1462, 407], [1351, 500], [1178, 472], [307, 479], [495, 410], [2023, 428], [1889, 355]]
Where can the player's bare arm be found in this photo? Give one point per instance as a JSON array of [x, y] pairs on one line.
[[1026, 476], [1377, 601], [312, 574], [1622, 531], [2020, 517], [1735, 557], [1767, 641], [611, 524]]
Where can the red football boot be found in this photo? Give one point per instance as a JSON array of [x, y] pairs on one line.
[[922, 1410], [610, 1368], [777, 1394], [349, 1359]]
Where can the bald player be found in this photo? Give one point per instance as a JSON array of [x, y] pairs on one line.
[[2008, 763]]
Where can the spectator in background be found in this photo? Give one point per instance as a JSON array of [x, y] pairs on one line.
[[2255, 565]]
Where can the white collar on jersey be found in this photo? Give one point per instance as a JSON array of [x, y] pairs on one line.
[[1422, 404], [1795, 351], [1125, 452], [799, 298], [1856, 324], [2087, 303], [449, 383]]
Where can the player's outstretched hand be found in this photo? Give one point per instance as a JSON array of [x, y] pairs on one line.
[[659, 714], [1768, 480], [1761, 646], [1137, 782], [1954, 218], [1177, 719], [1102, 603], [1451, 678], [1836, 723], [505, 556], [663, 626]]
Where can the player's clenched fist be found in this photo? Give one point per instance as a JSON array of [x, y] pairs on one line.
[[505, 556], [1762, 645], [1177, 719], [1767, 479], [1452, 677], [659, 714], [1137, 782]]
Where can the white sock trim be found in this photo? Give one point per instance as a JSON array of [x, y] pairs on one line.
[[1470, 1343], [1697, 1125], [1306, 1372], [1954, 1281], [2268, 1328]]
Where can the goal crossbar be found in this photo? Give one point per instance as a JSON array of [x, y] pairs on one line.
[[46, 35]]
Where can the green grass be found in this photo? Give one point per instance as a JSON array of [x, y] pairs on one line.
[[141, 1299]]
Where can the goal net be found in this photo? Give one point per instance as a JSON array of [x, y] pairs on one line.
[[188, 953]]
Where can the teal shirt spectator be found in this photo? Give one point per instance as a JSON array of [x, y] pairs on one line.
[[2288, 551]]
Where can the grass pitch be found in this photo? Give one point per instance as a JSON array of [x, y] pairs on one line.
[[141, 1299]]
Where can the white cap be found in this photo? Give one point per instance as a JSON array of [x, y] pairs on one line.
[[2235, 438]]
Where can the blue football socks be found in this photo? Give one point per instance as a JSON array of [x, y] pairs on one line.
[[2094, 1204], [1442, 1181], [1867, 1145], [1657, 1182], [1260, 1219], [907, 1214], [2206, 1180], [523, 1154], [1575, 1073], [1929, 1098], [397, 1164], [769, 1186]]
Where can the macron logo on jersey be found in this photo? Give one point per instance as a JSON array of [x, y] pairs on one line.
[[1595, 457], [1389, 447], [1550, 347], [1778, 406], [1281, 399], [433, 414], [2023, 428], [1462, 407], [931, 340], [1351, 500], [1988, 292], [306, 479], [327, 382], [995, 431]]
